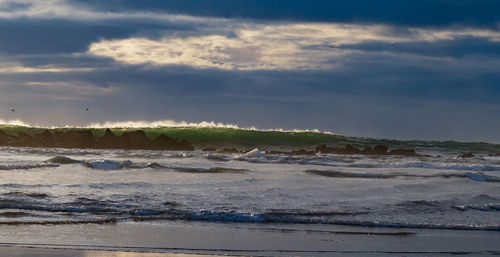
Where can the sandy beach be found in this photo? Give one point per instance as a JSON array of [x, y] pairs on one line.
[[182, 239], [14, 251]]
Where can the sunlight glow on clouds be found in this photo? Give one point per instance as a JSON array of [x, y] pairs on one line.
[[214, 52], [271, 47], [24, 69]]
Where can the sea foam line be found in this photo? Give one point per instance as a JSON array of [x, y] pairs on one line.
[[185, 124], [16, 123], [163, 124]]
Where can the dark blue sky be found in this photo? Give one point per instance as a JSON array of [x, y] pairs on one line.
[[395, 69]]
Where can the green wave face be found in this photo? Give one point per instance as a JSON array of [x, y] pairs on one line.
[[243, 139], [247, 139]]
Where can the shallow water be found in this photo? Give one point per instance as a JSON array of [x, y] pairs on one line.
[[66, 186]]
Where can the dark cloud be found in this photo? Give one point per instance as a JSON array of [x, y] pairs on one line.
[[409, 12], [374, 76], [13, 6], [54, 36]]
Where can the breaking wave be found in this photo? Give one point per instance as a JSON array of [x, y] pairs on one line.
[[479, 207], [321, 219], [62, 160], [477, 176], [15, 123], [101, 213], [117, 165], [474, 172], [18, 208], [256, 156], [158, 124], [222, 135]]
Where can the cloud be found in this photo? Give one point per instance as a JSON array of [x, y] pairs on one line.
[[9, 68], [454, 48], [67, 10], [413, 13], [421, 13], [211, 52], [303, 46], [54, 36]]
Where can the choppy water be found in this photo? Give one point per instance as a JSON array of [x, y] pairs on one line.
[[54, 186]]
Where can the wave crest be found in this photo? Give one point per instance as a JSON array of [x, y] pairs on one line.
[[16, 123], [160, 124]]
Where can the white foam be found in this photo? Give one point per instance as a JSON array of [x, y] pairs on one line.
[[161, 124], [479, 207], [255, 153], [15, 123]]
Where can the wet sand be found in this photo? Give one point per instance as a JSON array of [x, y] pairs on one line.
[[223, 239], [34, 251]]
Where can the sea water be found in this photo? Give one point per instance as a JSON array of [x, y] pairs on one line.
[[435, 190]]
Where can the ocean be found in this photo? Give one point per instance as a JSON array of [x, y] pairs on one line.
[[433, 189]]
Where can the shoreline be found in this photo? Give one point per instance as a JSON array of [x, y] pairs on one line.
[[182, 239], [36, 250]]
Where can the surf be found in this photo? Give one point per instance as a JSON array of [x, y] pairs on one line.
[[226, 136]]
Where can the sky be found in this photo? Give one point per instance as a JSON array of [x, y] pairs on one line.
[[387, 69]]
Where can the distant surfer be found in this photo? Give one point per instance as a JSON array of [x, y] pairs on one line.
[[13, 110], [87, 108]]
